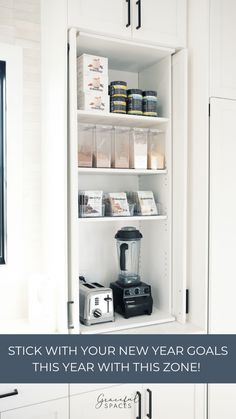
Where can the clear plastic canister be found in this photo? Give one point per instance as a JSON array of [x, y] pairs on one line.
[[138, 148], [120, 149], [86, 135], [156, 150], [102, 155]]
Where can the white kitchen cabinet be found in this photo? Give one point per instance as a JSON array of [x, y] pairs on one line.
[[160, 22], [184, 401], [117, 402], [221, 401], [13, 396], [57, 409], [102, 16], [172, 399], [223, 49], [222, 244]]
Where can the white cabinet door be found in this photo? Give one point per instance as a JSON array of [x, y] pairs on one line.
[[120, 402], [171, 401], [222, 241], [221, 401], [101, 16], [57, 409], [161, 21], [223, 48]]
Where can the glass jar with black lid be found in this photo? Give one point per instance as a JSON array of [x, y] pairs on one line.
[[134, 102], [150, 103]]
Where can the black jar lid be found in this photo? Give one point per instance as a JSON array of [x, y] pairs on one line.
[[118, 83], [150, 93], [128, 233], [134, 92], [118, 99]]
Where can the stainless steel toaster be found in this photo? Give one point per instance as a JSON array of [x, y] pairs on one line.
[[96, 303]]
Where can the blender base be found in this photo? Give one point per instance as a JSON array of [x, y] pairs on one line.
[[135, 300]]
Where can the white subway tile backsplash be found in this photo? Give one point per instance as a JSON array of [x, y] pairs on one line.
[[26, 15], [6, 3], [6, 16], [27, 30]]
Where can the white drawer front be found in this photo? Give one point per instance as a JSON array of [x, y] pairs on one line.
[[18, 395]]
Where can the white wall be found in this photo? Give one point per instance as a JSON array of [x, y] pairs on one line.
[[20, 25]]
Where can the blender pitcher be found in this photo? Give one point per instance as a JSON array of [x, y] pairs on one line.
[[128, 248]]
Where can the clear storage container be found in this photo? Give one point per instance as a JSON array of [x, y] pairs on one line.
[[86, 134], [120, 149], [138, 148], [156, 150], [102, 155]]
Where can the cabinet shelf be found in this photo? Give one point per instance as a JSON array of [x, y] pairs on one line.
[[111, 171], [134, 218], [94, 117], [120, 323]]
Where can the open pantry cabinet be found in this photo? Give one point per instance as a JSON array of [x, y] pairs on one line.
[[92, 247]]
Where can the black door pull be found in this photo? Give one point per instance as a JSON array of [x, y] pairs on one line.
[[129, 20], [13, 393], [149, 414], [139, 405], [139, 14]]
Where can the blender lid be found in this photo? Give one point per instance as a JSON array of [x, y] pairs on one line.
[[128, 233]]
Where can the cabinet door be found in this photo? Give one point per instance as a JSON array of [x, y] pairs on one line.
[[222, 240], [57, 409], [161, 21], [103, 16], [221, 401], [168, 401], [120, 402], [223, 48]]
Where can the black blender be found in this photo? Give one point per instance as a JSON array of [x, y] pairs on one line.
[[131, 296]]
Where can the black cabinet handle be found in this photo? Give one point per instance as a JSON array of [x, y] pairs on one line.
[[129, 20], [13, 393], [149, 414], [139, 14], [139, 405]]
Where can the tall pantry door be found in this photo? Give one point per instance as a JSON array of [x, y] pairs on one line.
[[222, 239]]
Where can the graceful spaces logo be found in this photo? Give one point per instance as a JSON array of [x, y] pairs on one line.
[[118, 402]]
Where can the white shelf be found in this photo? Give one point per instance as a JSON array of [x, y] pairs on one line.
[[95, 117], [114, 219], [111, 171], [123, 55], [120, 323]]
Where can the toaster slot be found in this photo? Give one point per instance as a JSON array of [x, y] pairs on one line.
[[96, 284], [90, 286]]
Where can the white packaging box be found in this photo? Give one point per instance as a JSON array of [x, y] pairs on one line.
[[93, 101], [146, 203], [87, 64], [93, 82]]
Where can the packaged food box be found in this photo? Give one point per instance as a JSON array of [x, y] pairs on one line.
[[145, 203], [93, 101], [117, 204], [92, 64], [90, 204], [93, 82]]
